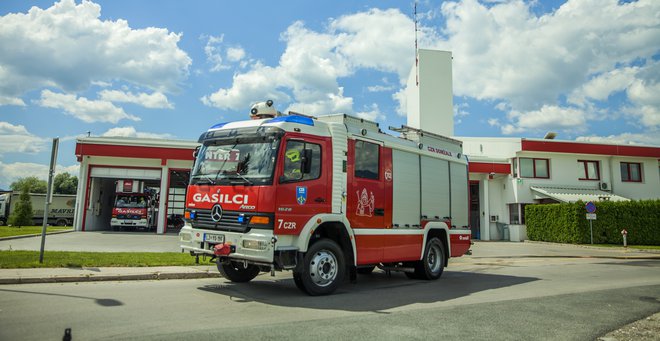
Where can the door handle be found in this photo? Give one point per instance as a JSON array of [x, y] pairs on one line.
[[379, 211], [320, 200]]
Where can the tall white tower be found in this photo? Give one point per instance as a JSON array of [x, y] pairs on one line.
[[430, 94]]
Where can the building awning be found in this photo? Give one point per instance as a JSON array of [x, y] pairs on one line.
[[574, 193]]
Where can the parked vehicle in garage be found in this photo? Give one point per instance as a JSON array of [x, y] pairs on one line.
[[326, 197], [60, 211], [134, 206]]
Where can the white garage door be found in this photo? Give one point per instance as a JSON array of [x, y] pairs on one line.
[[126, 173]]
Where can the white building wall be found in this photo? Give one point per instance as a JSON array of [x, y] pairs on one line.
[[430, 104], [649, 188]]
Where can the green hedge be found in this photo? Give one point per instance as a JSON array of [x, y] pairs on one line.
[[567, 223]]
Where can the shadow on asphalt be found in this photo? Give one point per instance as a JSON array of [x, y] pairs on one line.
[[375, 292], [104, 302]]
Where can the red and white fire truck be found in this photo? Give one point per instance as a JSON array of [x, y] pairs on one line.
[[326, 197], [134, 206]]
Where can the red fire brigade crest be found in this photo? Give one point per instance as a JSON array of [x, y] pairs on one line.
[[365, 206]]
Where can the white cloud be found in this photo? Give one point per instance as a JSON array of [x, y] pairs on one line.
[[6, 100], [83, 108], [309, 70], [372, 115], [156, 100], [547, 118], [504, 51], [68, 47], [381, 88], [131, 132], [213, 53], [648, 138], [585, 51], [235, 54], [10, 172], [17, 139]]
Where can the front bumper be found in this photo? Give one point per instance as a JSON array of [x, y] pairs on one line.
[[256, 246], [128, 222]]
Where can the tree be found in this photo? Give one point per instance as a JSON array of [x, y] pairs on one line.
[[22, 214], [32, 183], [64, 183]]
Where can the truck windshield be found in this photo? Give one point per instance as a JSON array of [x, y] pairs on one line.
[[246, 162], [130, 201]]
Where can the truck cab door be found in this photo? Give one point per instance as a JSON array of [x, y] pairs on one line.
[[303, 182]]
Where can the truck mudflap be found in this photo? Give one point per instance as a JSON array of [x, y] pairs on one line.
[[460, 241]]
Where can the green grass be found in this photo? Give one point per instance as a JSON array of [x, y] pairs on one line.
[[64, 259], [11, 231]]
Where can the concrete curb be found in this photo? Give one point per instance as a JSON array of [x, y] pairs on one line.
[[34, 235], [93, 278]]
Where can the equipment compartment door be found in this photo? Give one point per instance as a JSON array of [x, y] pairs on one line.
[[369, 197]]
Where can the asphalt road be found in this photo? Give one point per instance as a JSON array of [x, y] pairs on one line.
[[489, 298]]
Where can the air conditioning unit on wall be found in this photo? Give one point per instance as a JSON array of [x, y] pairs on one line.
[[494, 218], [604, 186]]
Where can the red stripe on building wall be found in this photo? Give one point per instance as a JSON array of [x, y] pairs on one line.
[[589, 148], [134, 151], [489, 167]]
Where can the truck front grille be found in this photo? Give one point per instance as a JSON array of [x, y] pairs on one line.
[[232, 221]]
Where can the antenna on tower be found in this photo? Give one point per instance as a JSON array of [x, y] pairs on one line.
[[416, 49]]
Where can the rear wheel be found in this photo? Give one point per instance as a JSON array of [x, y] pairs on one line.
[[433, 262], [323, 268], [237, 272], [61, 222]]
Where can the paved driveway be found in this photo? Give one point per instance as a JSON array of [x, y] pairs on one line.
[[101, 241]]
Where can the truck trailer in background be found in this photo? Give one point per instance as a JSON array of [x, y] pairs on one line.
[[60, 211]]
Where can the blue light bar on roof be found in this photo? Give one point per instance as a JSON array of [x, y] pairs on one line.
[[218, 126], [293, 119]]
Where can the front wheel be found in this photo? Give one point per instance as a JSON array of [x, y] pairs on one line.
[[323, 268], [237, 272]]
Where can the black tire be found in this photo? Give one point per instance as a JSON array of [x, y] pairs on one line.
[[2, 222], [298, 280], [61, 222], [323, 268], [366, 270], [433, 263], [236, 272]]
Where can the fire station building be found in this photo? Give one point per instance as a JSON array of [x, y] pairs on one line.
[[163, 165]]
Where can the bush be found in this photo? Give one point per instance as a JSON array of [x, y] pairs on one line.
[[567, 223], [22, 214]]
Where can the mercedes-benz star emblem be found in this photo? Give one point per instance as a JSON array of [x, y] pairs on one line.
[[216, 213]]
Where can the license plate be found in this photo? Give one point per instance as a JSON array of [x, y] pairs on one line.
[[214, 238]]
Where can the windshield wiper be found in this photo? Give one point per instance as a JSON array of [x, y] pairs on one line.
[[239, 175], [205, 180]]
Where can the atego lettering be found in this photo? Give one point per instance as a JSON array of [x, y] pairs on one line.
[[219, 198]]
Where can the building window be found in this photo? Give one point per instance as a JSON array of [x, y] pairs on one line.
[[515, 167], [534, 168], [517, 214], [588, 170], [367, 160], [631, 172]]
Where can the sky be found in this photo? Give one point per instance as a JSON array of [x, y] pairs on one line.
[[588, 70]]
